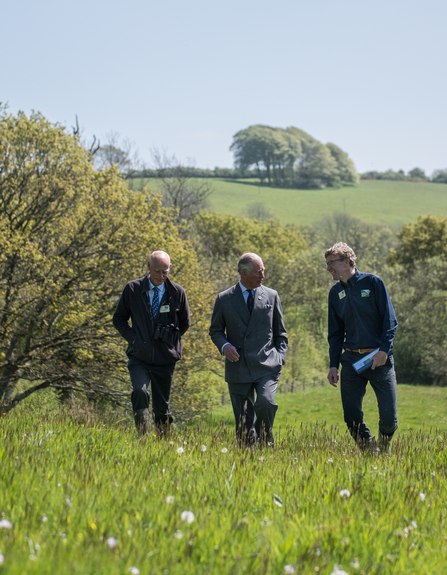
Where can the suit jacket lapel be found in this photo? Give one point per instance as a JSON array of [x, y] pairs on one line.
[[239, 304]]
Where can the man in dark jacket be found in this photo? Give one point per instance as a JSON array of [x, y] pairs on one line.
[[361, 322], [159, 312]]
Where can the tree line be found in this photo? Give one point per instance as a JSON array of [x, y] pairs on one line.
[[414, 175], [277, 157], [72, 235]]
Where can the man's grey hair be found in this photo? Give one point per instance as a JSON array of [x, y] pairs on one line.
[[246, 261]]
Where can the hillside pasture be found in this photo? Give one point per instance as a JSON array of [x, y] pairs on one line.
[[394, 203]]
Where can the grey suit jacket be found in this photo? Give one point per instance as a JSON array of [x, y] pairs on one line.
[[260, 338]]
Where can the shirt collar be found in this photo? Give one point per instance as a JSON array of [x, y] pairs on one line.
[[161, 288], [244, 289], [353, 279]]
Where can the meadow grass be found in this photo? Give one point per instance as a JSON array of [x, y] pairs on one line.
[[419, 408], [394, 203], [92, 499]]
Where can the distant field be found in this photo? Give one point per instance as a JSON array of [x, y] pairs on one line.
[[395, 203], [419, 407]]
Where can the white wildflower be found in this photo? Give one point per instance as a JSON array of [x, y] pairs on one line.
[[289, 569], [187, 516], [338, 571], [355, 564], [203, 448], [5, 524], [178, 534], [170, 499], [68, 502], [180, 449], [330, 460], [2, 559], [422, 496], [112, 542], [415, 525], [44, 518], [261, 458], [266, 521], [224, 449], [134, 570], [345, 493]]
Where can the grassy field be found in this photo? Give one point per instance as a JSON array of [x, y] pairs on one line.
[[395, 203], [419, 408], [91, 499]]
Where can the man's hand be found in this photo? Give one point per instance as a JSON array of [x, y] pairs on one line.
[[230, 352], [333, 376], [379, 359]]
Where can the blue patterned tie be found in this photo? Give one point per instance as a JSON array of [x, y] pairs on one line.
[[155, 303], [250, 301]]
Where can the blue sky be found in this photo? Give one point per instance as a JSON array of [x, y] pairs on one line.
[[186, 76]]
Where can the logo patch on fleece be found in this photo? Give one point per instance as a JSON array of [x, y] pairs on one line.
[[365, 292], [342, 294]]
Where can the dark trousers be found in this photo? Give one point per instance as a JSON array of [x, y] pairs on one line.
[[159, 379], [353, 389], [254, 419]]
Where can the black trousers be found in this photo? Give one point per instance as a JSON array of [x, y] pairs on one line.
[[353, 389], [159, 379]]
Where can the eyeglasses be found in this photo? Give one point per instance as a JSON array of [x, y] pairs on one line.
[[329, 264]]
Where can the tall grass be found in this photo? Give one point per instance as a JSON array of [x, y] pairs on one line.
[[93, 499]]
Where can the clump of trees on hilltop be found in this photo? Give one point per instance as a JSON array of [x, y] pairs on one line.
[[291, 158]]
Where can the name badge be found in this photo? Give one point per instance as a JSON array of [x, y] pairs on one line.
[[342, 294], [164, 309]]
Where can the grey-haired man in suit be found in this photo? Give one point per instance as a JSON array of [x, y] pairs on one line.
[[247, 327]]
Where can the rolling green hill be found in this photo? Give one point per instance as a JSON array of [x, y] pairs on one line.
[[395, 203]]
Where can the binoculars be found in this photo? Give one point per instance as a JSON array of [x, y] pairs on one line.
[[162, 332]]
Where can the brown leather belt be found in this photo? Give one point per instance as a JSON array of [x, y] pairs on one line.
[[366, 350]]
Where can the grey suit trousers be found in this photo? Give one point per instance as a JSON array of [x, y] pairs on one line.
[[254, 419]]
